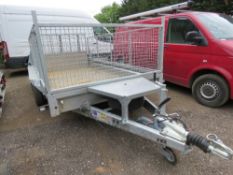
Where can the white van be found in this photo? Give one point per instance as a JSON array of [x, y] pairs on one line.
[[16, 24]]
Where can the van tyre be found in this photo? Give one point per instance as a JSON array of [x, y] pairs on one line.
[[40, 99], [210, 90]]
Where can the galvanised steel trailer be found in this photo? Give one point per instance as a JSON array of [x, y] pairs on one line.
[[76, 68]]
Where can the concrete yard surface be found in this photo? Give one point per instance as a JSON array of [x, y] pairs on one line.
[[31, 142]]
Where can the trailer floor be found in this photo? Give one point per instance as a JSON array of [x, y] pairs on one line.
[[32, 143], [83, 74], [74, 69]]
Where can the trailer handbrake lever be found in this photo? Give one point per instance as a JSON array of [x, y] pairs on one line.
[[166, 100], [161, 104]]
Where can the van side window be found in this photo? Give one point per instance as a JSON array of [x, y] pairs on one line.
[[177, 30], [102, 34]]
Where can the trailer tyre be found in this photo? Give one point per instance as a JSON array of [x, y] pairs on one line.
[[40, 99], [210, 90], [169, 155]]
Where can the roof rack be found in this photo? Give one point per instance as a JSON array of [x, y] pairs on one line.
[[170, 8]]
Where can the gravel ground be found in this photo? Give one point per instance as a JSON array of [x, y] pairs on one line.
[[34, 143]]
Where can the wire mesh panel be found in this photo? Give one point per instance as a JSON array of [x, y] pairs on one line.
[[75, 55], [137, 47]]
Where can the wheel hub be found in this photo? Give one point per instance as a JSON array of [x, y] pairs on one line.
[[209, 90]]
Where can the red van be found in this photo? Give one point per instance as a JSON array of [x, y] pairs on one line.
[[198, 53]]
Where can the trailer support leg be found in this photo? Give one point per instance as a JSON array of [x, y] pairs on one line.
[[125, 110], [163, 96]]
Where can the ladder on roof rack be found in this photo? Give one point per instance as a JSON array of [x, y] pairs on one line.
[[166, 9]]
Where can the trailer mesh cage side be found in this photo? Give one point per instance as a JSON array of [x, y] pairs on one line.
[[81, 54]]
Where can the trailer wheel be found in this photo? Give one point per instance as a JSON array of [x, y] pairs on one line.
[[40, 99], [210, 90], [169, 155]]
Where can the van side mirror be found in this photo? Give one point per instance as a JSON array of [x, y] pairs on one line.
[[195, 38]]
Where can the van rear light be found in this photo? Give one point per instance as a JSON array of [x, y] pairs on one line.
[[4, 50]]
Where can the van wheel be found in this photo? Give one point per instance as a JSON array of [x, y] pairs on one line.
[[210, 90], [39, 97]]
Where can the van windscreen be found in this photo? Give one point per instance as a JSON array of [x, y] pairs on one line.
[[220, 25]]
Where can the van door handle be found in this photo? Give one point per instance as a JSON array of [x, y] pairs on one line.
[[165, 46]]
